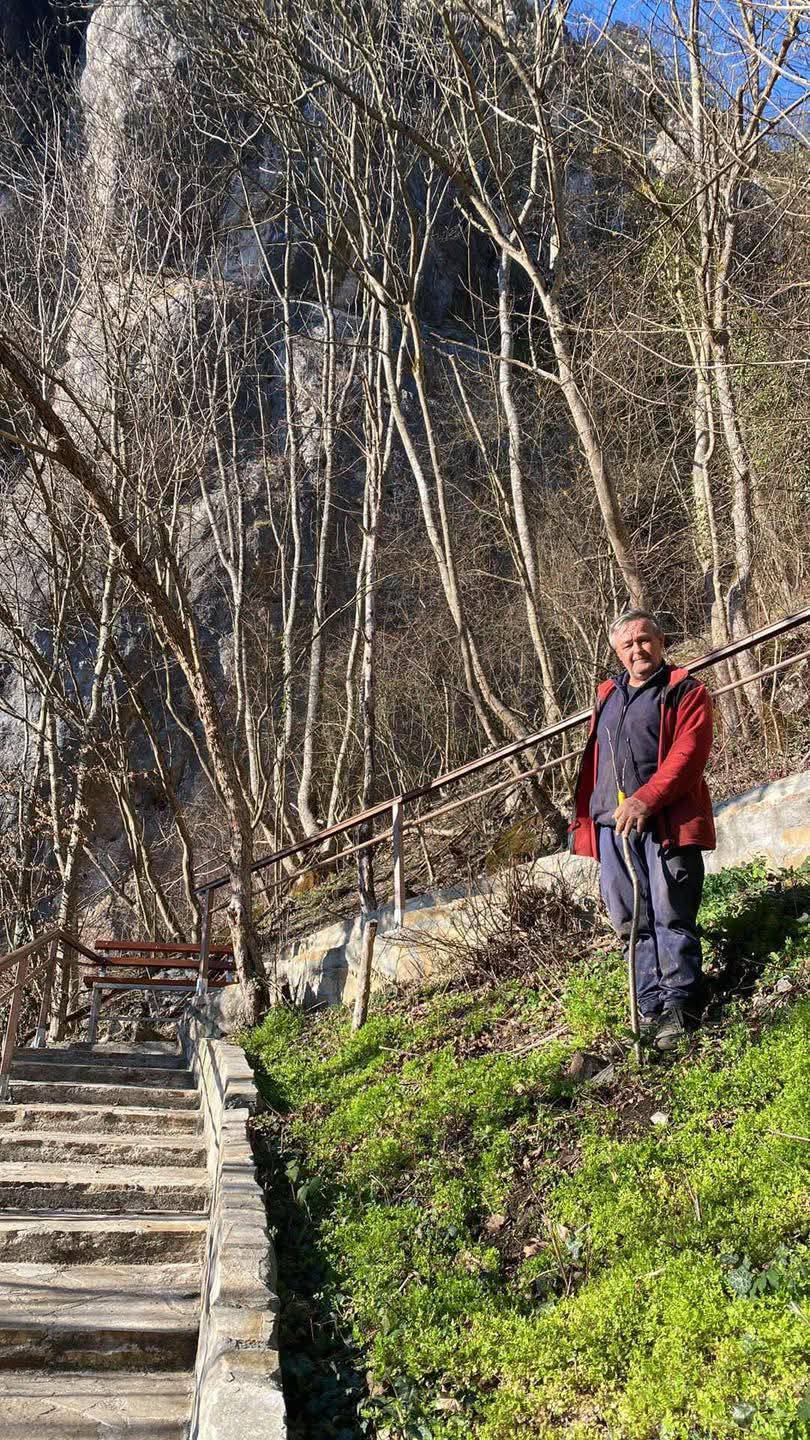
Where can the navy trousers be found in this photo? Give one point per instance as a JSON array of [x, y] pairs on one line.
[[668, 958]]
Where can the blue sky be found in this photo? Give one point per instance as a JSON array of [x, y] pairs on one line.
[[721, 20]]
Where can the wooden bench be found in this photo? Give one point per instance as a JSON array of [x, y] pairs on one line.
[[159, 947], [222, 973], [141, 962]]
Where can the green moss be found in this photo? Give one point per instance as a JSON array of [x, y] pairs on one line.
[[515, 1259], [596, 999]]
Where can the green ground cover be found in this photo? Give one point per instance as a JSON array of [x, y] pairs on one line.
[[473, 1244]]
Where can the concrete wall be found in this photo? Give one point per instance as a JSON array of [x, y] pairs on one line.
[[772, 820]]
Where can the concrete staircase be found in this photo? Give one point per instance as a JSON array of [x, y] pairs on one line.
[[103, 1218]]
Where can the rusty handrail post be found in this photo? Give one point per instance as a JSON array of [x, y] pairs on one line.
[[92, 1019], [10, 1037], [41, 1035], [397, 849], [205, 945]]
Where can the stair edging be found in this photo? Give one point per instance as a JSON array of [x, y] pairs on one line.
[[237, 1379]]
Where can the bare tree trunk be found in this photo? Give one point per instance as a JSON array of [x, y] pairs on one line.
[[372, 493], [517, 482], [705, 520], [738, 599], [333, 403], [175, 625], [361, 1000], [592, 449], [178, 814], [68, 974]]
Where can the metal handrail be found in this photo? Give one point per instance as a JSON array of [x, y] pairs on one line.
[[14, 956], [157, 947], [395, 804], [497, 757], [20, 957], [51, 940]]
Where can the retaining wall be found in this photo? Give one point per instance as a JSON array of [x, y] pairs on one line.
[[238, 1392]]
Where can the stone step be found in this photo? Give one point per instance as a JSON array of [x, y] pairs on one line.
[[42, 1092], [50, 1147], [30, 1186], [98, 1317], [99, 1119], [87, 1406], [155, 1056], [67, 1238], [25, 1067]]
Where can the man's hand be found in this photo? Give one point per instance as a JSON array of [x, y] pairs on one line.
[[630, 815]]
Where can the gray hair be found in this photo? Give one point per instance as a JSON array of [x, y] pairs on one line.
[[627, 616]]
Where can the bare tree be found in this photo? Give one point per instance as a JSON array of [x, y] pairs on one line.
[[712, 102]]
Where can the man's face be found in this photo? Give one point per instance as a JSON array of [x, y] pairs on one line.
[[640, 649]]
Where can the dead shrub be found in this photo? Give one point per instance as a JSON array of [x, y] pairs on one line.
[[517, 930]]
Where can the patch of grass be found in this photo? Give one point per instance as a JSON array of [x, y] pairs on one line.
[[595, 998], [755, 925], [498, 1253]]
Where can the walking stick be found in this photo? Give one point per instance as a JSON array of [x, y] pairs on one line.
[[631, 949]]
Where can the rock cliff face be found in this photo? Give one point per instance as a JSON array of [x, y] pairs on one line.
[[25, 24], [129, 63], [171, 318], [19, 21], [207, 270]]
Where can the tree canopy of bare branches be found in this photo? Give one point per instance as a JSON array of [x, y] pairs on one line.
[[357, 363]]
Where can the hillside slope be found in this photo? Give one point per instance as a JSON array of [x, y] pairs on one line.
[[476, 1240]]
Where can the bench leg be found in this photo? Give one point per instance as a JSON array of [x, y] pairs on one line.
[[92, 1024]]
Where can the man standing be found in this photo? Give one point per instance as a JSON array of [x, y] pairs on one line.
[[649, 740]]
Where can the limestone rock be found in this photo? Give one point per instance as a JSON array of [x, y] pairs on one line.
[[130, 56]]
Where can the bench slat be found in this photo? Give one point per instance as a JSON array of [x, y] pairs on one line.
[[137, 962], [159, 947], [149, 982]]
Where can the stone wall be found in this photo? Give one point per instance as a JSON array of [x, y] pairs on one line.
[[771, 820], [237, 1382]]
